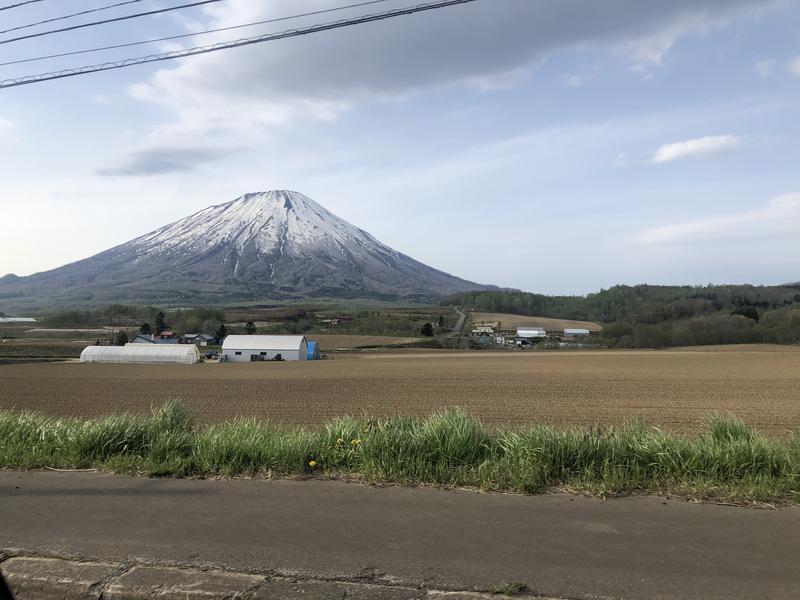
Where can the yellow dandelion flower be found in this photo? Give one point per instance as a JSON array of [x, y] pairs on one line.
[[312, 463], [355, 442]]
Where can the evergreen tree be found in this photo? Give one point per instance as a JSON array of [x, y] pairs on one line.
[[160, 324], [145, 329], [121, 338], [221, 333], [250, 328]]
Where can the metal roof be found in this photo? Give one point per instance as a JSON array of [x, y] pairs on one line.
[[263, 342]]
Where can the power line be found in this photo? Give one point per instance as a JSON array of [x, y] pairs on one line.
[[185, 35], [93, 23], [129, 62], [10, 6], [77, 14]]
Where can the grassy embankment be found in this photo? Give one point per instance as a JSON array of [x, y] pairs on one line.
[[729, 461]]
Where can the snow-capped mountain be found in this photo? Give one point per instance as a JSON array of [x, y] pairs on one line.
[[277, 245]]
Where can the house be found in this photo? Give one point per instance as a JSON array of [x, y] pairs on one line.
[[253, 348], [198, 339], [166, 337], [143, 338]]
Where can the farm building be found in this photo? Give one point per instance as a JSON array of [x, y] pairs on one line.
[[576, 332], [198, 339], [531, 332], [165, 337], [251, 348], [148, 338], [313, 351], [141, 353]]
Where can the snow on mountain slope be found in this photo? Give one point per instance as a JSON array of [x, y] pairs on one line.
[[274, 245], [269, 220]]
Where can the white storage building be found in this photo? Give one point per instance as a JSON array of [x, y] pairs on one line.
[[576, 332], [251, 348], [531, 332], [183, 354]]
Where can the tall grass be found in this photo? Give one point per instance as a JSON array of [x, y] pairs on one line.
[[729, 460]]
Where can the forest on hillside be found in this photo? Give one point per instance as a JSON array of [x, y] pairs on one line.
[[646, 316]]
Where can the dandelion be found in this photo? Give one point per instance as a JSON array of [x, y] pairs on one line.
[[312, 463], [355, 442]]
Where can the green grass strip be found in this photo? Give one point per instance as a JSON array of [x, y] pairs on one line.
[[729, 461]]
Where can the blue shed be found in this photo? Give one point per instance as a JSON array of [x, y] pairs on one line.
[[313, 351]]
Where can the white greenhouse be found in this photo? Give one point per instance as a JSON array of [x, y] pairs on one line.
[[252, 348], [180, 354]]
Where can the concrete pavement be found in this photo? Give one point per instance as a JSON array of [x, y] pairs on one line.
[[557, 545]]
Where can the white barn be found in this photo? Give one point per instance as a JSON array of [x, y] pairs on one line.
[[184, 354], [251, 348]]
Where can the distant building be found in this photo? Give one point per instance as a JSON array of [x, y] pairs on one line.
[[313, 351], [166, 337], [17, 320], [253, 348], [576, 332], [198, 339], [531, 332], [143, 338], [483, 330], [485, 327]]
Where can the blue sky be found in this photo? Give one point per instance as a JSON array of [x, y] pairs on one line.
[[556, 146]]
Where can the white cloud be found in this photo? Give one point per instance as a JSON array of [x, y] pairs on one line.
[[793, 66], [318, 76], [765, 68], [780, 216], [703, 146]]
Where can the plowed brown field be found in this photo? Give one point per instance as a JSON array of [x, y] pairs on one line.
[[673, 389]]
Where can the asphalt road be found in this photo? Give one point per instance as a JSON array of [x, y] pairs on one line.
[[559, 545]]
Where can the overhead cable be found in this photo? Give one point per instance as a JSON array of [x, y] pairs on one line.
[[104, 21], [77, 14], [185, 35], [10, 6], [129, 62]]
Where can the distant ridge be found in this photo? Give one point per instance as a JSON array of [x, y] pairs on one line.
[[276, 246]]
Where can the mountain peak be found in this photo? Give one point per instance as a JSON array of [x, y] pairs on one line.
[[273, 245], [273, 198]]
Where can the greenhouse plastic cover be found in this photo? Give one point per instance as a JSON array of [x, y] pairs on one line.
[[184, 354]]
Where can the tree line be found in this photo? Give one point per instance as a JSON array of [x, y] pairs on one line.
[[659, 316]]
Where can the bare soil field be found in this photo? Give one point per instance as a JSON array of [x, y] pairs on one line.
[[514, 321], [670, 389]]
